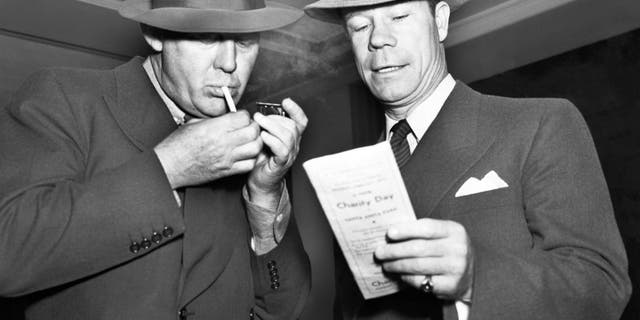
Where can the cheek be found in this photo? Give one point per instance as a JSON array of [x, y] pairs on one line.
[[184, 72], [244, 71], [245, 64], [191, 81], [360, 53], [428, 48]]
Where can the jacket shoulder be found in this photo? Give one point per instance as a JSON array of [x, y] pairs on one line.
[[520, 112], [55, 89], [72, 81], [530, 106]]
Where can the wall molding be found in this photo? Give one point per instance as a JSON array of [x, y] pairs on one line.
[[64, 45], [498, 17]]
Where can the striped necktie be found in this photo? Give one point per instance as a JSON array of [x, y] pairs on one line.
[[399, 143]]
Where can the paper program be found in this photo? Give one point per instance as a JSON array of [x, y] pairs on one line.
[[362, 194]]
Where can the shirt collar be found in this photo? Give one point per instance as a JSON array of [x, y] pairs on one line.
[[177, 114], [421, 117]]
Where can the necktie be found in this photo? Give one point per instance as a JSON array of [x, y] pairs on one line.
[[399, 143]]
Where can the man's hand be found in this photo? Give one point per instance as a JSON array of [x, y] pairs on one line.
[[209, 149], [281, 136], [437, 248]]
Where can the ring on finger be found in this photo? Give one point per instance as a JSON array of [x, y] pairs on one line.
[[426, 285]]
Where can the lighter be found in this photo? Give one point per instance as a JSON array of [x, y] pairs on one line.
[[268, 108]]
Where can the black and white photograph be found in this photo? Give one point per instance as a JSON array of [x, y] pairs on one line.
[[319, 159]]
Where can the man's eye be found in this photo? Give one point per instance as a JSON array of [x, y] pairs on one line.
[[246, 43], [400, 17], [243, 43], [360, 28]]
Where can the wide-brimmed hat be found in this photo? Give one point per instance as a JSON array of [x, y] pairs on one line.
[[194, 16], [329, 10]]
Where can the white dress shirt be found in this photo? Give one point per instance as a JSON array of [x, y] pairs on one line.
[[420, 119]]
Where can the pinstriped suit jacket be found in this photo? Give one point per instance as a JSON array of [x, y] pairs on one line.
[[546, 247]]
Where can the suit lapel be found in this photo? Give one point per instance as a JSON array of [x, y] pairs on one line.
[[137, 107], [211, 212], [448, 149]]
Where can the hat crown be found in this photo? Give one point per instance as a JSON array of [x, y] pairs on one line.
[[196, 16], [235, 5]]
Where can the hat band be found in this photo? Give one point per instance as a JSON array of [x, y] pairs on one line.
[[210, 4]]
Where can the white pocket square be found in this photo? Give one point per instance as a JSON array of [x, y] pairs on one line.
[[490, 181]]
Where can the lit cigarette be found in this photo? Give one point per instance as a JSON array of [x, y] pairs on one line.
[[227, 96]]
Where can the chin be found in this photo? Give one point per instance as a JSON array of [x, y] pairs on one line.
[[390, 96], [212, 109]]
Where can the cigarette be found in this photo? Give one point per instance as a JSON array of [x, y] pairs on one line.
[[227, 96]]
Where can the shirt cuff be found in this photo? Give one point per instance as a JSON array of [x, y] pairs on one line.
[[463, 310], [267, 227]]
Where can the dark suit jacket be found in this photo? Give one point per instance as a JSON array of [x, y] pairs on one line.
[[79, 182], [547, 247]]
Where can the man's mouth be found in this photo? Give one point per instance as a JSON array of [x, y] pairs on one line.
[[387, 69], [217, 91]]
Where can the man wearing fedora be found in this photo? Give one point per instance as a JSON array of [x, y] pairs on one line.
[[514, 215], [133, 194]]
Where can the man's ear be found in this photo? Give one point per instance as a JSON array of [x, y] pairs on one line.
[[441, 15], [152, 37]]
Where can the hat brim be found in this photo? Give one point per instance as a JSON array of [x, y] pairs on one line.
[[329, 10], [274, 15]]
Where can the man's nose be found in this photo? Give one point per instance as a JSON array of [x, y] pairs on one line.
[[226, 56], [381, 36]]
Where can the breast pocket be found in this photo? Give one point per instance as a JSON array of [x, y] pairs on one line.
[[494, 218], [478, 202]]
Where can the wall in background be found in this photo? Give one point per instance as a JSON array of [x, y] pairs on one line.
[[603, 81], [22, 55]]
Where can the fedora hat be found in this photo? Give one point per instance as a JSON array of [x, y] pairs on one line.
[[329, 10], [194, 16]]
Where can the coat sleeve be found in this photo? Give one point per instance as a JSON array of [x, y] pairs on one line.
[[57, 222], [576, 267], [282, 278]]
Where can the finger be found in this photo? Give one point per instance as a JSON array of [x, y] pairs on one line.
[[244, 135], [411, 249], [248, 150], [234, 120], [281, 152], [193, 120], [295, 113], [415, 280], [242, 166], [281, 127], [423, 228], [444, 287], [429, 265]]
